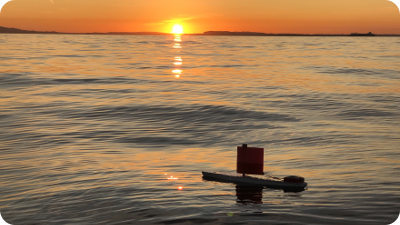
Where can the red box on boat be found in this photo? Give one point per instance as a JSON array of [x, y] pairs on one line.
[[250, 160]]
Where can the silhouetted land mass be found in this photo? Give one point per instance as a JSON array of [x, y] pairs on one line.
[[230, 33], [216, 33], [360, 34], [20, 31], [126, 33], [245, 33]]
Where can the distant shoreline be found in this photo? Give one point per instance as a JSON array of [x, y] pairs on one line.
[[7, 30]]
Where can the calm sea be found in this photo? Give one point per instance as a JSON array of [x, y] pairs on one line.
[[98, 129]]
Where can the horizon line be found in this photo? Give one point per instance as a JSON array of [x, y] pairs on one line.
[[206, 33]]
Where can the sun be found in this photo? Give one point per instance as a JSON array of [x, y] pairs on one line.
[[177, 29], [3, 3]]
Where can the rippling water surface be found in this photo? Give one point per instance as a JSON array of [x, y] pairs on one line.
[[92, 127]]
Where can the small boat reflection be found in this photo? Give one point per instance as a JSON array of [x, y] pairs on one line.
[[249, 194]]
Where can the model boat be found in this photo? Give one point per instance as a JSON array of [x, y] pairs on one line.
[[250, 160]]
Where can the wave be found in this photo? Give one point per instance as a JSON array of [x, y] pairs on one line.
[[365, 114], [193, 113], [160, 125], [387, 73], [29, 79]]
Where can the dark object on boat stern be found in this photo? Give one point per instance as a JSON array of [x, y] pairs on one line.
[[293, 179]]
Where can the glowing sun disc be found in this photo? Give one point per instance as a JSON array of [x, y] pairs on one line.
[[3, 3], [177, 29], [397, 3]]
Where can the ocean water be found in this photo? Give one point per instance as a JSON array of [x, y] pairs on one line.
[[104, 129]]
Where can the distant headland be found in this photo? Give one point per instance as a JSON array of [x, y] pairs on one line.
[[245, 33], [207, 33], [367, 34], [21, 31]]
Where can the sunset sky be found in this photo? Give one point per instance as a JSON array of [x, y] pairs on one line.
[[269, 16]]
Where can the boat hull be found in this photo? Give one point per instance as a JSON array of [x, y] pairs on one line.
[[252, 181]]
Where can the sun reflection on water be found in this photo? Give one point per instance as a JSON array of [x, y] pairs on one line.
[[172, 178], [178, 62], [177, 45], [178, 38]]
